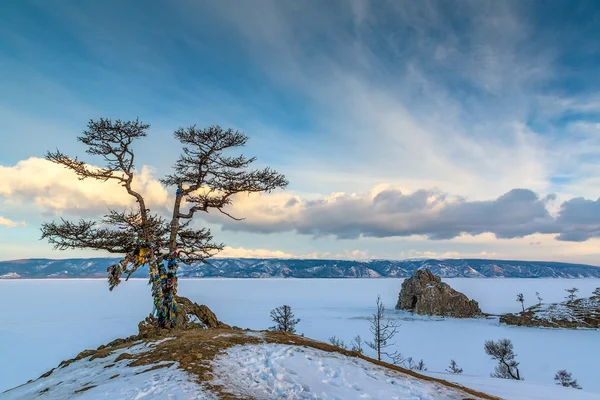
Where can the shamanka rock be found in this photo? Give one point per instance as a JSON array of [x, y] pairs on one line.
[[425, 293]]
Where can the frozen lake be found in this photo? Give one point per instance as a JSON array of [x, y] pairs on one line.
[[46, 321]]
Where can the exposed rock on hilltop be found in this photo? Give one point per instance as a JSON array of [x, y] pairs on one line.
[[425, 293], [580, 313], [189, 316]]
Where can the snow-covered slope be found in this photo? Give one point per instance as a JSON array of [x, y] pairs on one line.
[[300, 268], [580, 311], [208, 364], [112, 378], [276, 371]]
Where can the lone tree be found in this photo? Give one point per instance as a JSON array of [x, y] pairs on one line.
[[284, 318], [503, 352], [564, 378], [453, 368], [205, 178], [383, 331], [521, 299], [537, 294], [571, 296]]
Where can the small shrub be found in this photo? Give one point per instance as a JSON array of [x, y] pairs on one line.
[[356, 344], [454, 368], [571, 296], [564, 378], [502, 351], [337, 342]]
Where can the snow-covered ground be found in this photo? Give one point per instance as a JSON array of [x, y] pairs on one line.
[[572, 312], [110, 379], [275, 371], [53, 320], [518, 390]]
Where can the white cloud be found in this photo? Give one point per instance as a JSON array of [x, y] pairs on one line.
[[9, 223], [447, 254], [53, 188], [240, 252], [383, 211]]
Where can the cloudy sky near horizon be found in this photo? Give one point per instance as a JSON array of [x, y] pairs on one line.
[[406, 129]]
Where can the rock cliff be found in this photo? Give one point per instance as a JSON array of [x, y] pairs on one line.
[[425, 293]]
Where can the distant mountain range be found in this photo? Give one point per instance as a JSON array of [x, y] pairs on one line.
[[299, 268]]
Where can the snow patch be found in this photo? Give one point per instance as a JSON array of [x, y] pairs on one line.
[[512, 389], [105, 378], [565, 311], [258, 335], [275, 371], [225, 335], [193, 318]]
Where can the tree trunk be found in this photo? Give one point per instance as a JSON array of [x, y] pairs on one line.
[[164, 282]]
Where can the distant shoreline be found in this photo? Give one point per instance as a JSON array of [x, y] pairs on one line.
[[303, 279]]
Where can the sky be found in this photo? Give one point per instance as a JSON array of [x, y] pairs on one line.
[[442, 129]]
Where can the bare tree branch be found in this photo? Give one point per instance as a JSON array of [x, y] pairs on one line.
[[207, 178]]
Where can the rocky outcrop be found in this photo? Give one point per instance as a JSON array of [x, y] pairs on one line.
[[189, 316], [425, 293], [580, 313], [190, 313]]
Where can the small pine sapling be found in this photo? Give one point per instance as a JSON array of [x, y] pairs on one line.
[[454, 368], [502, 351], [564, 378], [521, 299], [420, 366], [415, 366], [571, 296], [383, 331], [337, 342], [356, 344]]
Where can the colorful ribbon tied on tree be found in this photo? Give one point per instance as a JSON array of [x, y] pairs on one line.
[[164, 290]]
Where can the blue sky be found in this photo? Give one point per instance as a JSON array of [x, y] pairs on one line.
[[406, 129]]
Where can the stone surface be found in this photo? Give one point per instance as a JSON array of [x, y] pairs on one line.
[[189, 316], [424, 293]]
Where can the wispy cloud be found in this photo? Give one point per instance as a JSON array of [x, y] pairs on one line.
[[54, 189], [9, 223]]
